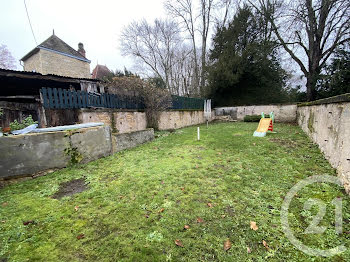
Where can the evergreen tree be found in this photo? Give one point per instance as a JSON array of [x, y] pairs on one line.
[[244, 67], [336, 81]]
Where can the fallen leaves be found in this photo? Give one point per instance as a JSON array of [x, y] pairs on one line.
[[253, 226], [161, 210], [81, 236], [26, 223], [178, 243], [227, 244], [199, 220], [265, 245], [210, 205], [186, 227], [5, 204]]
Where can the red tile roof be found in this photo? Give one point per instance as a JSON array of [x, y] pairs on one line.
[[100, 71]]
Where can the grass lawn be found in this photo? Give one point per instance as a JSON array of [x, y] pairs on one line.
[[138, 201]]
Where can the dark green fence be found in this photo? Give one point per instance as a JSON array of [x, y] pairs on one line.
[[180, 102], [57, 98]]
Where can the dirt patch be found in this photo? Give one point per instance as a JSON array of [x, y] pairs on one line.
[[70, 188]]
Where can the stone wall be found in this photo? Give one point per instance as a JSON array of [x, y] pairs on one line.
[[131, 139], [23, 155], [129, 121], [47, 62], [178, 119], [283, 113], [119, 121], [328, 125]]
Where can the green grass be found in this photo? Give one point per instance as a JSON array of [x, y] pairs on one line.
[[121, 214]]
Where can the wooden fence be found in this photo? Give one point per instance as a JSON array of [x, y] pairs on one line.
[[57, 98]]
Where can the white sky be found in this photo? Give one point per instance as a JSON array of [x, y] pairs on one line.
[[97, 24]]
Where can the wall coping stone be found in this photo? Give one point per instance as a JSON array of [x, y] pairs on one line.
[[329, 100]]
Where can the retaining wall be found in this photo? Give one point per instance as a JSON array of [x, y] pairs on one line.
[[23, 155], [129, 121], [132, 139], [327, 123], [283, 113]]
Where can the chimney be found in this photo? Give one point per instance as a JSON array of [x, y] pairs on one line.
[[81, 49]]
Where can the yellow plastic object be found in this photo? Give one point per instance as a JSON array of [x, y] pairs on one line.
[[264, 125]]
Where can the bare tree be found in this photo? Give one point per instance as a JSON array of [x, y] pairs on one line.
[[205, 12], [223, 12], [309, 31], [7, 61], [153, 45], [161, 50], [184, 11]]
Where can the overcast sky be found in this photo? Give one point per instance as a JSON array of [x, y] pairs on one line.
[[97, 24]]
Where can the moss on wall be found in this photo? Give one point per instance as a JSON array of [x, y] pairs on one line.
[[310, 123]]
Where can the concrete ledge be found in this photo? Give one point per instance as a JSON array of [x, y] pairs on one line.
[[27, 154], [131, 139], [24, 155]]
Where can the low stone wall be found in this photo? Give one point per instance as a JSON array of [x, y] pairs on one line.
[[131, 139], [119, 121], [129, 121], [178, 119], [283, 113], [23, 155], [328, 125]]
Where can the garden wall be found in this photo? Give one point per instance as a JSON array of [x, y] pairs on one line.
[[23, 155], [178, 119], [283, 113], [122, 121], [327, 123], [128, 121], [132, 139]]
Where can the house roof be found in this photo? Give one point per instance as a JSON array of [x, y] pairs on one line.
[[55, 44], [100, 71]]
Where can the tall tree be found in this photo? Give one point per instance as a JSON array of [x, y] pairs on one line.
[[7, 61], [153, 45], [309, 31], [194, 22], [244, 64], [336, 80], [184, 11]]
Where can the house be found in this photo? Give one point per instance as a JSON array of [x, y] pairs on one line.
[[101, 72], [54, 56]]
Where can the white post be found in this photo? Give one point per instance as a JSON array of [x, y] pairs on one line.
[[198, 135]]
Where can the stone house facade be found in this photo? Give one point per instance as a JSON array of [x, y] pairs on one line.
[[54, 56]]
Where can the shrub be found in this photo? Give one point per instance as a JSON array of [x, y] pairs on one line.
[[252, 118], [156, 99], [15, 125]]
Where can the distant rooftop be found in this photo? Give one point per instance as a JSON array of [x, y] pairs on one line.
[[100, 71]]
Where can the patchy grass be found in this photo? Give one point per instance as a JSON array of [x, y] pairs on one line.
[[137, 202]]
